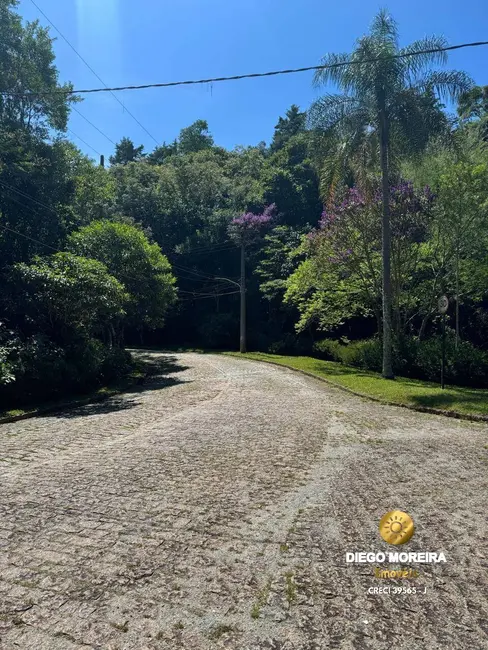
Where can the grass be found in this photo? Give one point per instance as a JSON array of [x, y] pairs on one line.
[[291, 588], [261, 600], [409, 392]]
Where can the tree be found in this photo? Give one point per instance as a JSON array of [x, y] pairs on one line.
[[462, 215], [27, 69], [126, 152], [195, 138], [473, 109], [64, 294], [162, 153], [380, 90], [287, 127], [290, 181], [341, 275], [137, 263]]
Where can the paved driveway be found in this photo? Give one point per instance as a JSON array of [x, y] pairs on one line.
[[213, 508]]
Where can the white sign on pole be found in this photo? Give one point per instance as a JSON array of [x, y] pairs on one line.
[[443, 304]]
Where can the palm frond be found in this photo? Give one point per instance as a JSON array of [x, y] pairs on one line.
[[384, 28], [336, 74], [447, 84], [329, 111], [415, 64]]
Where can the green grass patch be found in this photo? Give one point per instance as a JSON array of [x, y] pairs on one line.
[[261, 600], [410, 392]]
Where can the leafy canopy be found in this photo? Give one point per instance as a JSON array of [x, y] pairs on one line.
[[136, 262]]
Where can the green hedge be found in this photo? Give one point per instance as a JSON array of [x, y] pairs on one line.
[[465, 366], [40, 370]]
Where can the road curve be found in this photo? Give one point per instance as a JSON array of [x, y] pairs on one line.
[[213, 508]]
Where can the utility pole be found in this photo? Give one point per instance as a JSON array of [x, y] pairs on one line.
[[242, 291], [243, 346], [102, 161]]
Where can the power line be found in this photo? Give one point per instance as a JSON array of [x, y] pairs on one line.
[[38, 241], [84, 142], [205, 249], [254, 75], [21, 234], [195, 296], [27, 196], [93, 71], [212, 295], [93, 125]]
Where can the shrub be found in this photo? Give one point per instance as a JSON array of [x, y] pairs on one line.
[[465, 366], [361, 354], [43, 370], [289, 344], [327, 349], [218, 331], [116, 364]]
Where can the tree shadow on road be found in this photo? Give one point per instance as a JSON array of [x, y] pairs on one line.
[[155, 373]]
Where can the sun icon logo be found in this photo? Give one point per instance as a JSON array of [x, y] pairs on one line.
[[396, 527]]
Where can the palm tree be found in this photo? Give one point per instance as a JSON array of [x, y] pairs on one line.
[[388, 107]]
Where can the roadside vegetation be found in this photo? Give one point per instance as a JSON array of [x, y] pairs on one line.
[[402, 391], [151, 249]]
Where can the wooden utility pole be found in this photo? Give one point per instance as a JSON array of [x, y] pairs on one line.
[[243, 343], [102, 161]]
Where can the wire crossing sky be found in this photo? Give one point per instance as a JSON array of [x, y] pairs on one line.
[[252, 75], [128, 43]]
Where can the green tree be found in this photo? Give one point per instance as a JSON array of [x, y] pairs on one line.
[[27, 70], [380, 92], [63, 294], [195, 137], [287, 127], [473, 109], [290, 181], [126, 152], [463, 223], [137, 263], [162, 153], [343, 265]]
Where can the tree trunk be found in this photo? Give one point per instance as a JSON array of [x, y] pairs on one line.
[[457, 299], [243, 343], [423, 325], [386, 244]]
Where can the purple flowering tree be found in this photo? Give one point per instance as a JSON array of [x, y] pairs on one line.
[[346, 247], [244, 230]]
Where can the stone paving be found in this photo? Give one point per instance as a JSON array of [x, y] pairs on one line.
[[212, 508]]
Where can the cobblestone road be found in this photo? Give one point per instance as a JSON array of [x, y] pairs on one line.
[[213, 508]]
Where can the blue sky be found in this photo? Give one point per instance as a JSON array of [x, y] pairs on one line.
[[130, 42]]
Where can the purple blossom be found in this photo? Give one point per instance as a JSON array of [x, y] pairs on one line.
[[246, 226], [409, 210]]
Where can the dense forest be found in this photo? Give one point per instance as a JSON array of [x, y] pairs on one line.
[[147, 251]]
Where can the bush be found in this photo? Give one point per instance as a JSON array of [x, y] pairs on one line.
[[42, 370], [465, 366], [327, 349], [218, 331], [361, 354], [116, 364], [289, 344]]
